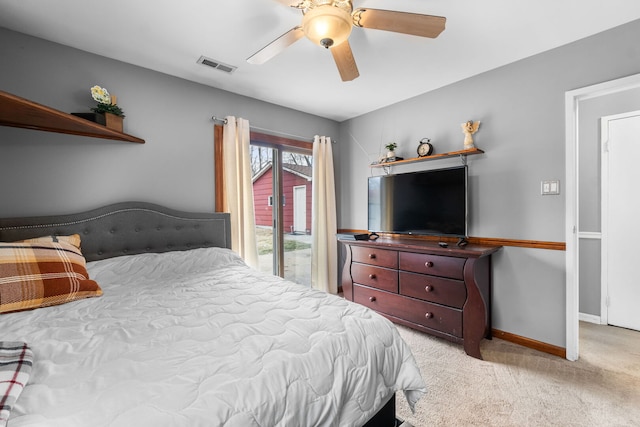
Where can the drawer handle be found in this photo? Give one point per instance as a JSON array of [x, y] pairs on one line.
[[372, 299], [372, 276], [429, 315], [428, 264], [372, 256], [428, 288]]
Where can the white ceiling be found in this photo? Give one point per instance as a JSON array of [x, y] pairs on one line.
[[169, 36]]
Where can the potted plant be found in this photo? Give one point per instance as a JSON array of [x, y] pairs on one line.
[[391, 147], [107, 107]]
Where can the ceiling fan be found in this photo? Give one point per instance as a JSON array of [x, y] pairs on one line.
[[328, 23]]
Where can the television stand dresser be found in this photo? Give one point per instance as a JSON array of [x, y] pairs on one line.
[[443, 291]]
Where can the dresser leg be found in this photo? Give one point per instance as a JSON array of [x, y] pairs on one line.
[[474, 312], [472, 348]]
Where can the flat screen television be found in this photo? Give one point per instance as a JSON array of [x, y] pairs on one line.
[[432, 202]]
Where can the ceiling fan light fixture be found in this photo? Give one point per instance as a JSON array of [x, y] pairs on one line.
[[327, 25]]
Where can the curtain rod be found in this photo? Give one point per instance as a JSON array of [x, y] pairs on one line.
[[218, 119], [273, 132]]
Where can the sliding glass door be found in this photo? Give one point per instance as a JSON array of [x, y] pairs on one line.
[[282, 185]]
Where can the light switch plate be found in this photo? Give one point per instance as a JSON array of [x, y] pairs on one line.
[[550, 188]]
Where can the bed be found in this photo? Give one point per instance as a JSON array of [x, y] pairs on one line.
[[180, 332]]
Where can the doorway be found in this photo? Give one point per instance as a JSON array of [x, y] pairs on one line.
[[620, 212], [573, 100], [299, 209]]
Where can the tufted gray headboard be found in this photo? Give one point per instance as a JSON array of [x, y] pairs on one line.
[[127, 228]]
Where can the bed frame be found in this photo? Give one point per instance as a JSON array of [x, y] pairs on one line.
[[131, 228], [127, 228]]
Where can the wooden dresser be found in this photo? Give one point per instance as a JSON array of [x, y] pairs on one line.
[[445, 292]]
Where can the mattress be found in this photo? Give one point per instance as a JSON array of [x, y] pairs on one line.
[[197, 338]]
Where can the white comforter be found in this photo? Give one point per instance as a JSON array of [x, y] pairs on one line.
[[199, 339]]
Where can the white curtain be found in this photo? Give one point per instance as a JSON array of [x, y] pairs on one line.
[[324, 260], [238, 188]]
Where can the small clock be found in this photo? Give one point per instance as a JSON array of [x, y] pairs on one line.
[[424, 147]]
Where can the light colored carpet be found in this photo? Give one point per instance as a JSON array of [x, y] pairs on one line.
[[517, 386]]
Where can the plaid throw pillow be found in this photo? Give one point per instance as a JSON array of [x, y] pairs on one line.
[[16, 359], [42, 273]]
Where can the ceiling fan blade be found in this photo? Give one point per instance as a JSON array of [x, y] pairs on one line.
[[400, 22], [276, 46], [343, 56]]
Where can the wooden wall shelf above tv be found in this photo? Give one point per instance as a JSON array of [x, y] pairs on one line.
[[461, 153], [22, 113]]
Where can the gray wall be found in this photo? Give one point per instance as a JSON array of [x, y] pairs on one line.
[[47, 173], [521, 107]]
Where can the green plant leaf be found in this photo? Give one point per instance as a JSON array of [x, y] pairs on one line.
[[108, 108]]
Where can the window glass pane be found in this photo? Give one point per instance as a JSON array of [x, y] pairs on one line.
[[262, 176], [296, 190]]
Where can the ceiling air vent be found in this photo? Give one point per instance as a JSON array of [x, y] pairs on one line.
[[216, 64]]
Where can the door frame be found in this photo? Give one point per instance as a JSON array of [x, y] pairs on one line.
[[572, 144]]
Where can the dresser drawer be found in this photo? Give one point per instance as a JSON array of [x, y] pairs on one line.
[[432, 264], [433, 288], [434, 316], [376, 277], [374, 256]]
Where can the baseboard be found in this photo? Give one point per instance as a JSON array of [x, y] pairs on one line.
[[529, 343], [591, 318]]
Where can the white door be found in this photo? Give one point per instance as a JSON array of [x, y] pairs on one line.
[[300, 208], [620, 141]]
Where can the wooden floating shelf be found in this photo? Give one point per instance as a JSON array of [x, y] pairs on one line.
[[22, 113], [461, 153]]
